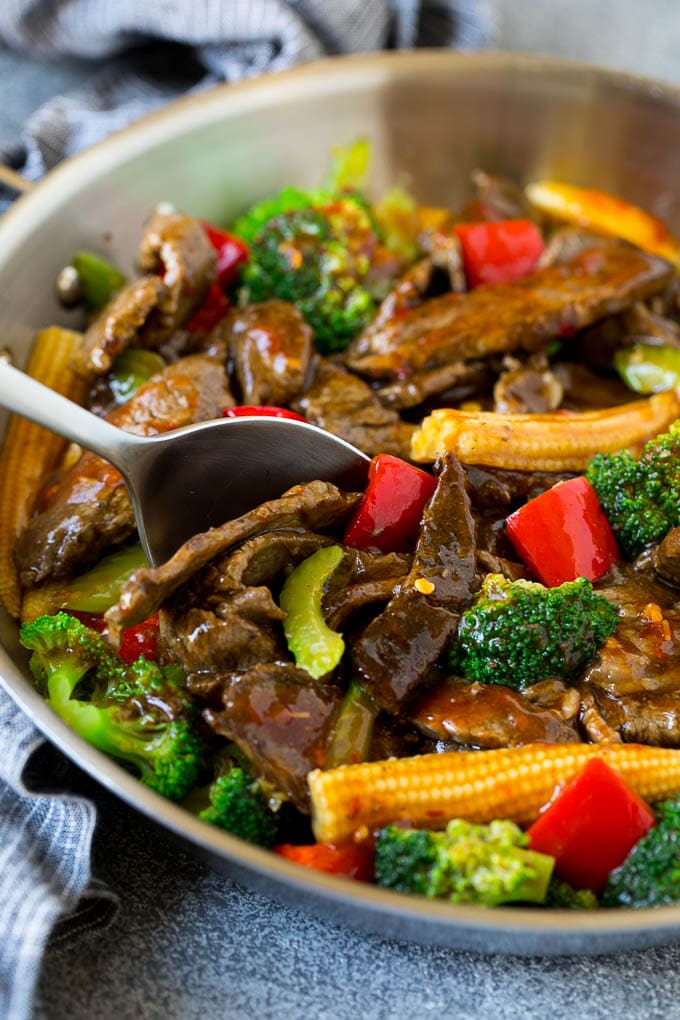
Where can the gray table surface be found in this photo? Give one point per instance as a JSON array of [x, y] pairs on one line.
[[187, 942]]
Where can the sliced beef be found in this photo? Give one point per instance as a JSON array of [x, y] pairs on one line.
[[91, 509], [499, 489], [396, 651], [644, 326], [487, 716], [454, 382], [634, 683], [265, 558], [271, 346], [281, 719], [312, 506], [525, 314], [587, 390], [177, 247], [667, 558], [233, 632], [566, 243], [363, 578], [119, 325], [346, 406], [530, 388]]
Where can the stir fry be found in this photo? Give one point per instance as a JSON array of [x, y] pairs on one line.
[[462, 683]]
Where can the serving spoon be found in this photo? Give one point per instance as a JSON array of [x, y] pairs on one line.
[[193, 478]]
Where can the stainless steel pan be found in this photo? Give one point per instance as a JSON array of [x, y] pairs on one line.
[[432, 118]]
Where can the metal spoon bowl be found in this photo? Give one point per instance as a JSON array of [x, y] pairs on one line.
[[193, 478]]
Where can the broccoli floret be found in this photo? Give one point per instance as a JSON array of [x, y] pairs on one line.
[[238, 805], [253, 222], [650, 874], [562, 896], [320, 257], [483, 864], [127, 713], [517, 632], [640, 497]]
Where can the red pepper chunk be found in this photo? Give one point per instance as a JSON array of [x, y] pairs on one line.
[[142, 639], [388, 517], [591, 826], [261, 411], [231, 252], [215, 306], [564, 534], [347, 860], [500, 251]]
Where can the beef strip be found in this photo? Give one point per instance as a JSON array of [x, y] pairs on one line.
[[233, 632], [177, 246], [346, 406], [644, 326], [667, 558], [529, 388], [566, 243], [314, 505], [525, 314], [271, 345], [487, 716], [396, 651], [634, 682], [264, 559], [91, 509], [120, 324], [459, 380], [281, 720], [500, 489], [362, 578]]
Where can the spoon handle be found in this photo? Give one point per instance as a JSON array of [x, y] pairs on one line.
[[27, 397]]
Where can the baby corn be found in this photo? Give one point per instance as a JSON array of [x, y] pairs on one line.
[[514, 783], [30, 452], [542, 442]]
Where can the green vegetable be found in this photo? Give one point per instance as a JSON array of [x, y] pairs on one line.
[[131, 369], [316, 647], [137, 715], [562, 896], [483, 864], [647, 368], [350, 166], [650, 874], [517, 632], [397, 216], [640, 497], [99, 279], [251, 224], [99, 588], [238, 805], [350, 739]]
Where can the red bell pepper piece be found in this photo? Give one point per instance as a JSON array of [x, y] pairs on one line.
[[261, 411], [591, 826], [499, 251], [215, 306], [564, 533], [142, 639], [348, 860], [231, 252], [388, 517]]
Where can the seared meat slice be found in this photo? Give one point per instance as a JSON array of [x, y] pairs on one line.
[[667, 558], [396, 651], [362, 579], [525, 314], [177, 246], [271, 345], [217, 634], [500, 489], [91, 509], [314, 505], [530, 388], [634, 684], [566, 243], [644, 326], [265, 558], [119, 325], [281, 719], [348, 407], [487, 716], [455, 382]]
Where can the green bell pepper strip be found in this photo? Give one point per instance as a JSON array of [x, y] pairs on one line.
[[350, 739], [99, 279], [315, 647], [131, 369], [646, 368], [99, 588]]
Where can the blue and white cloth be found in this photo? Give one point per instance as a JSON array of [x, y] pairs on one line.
[[152, 52]]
